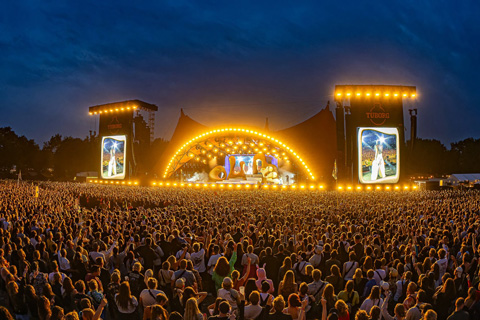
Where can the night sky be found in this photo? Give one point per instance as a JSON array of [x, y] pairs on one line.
[[234, 61]]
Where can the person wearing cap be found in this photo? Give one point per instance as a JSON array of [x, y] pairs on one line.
[[228, 293], [461, 283], [317, 257], [177, 295], [459, 313]]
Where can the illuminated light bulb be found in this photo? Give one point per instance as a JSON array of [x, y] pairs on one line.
[[340, 188], [359, 188], [358, 94], [339, 94], [321, 187], [349, 94], [395, 95], [387, 94], [368, 94], [413, 95], [404, 94], [90, 113], [377, 94], [349, 188], [368, 188], [378, 187]]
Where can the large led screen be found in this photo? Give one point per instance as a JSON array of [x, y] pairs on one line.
[[113, 157], [378, 155]]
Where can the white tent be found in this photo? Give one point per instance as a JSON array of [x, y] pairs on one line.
[[463, 177]]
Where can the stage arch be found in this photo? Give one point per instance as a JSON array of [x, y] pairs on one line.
[[213, 144]]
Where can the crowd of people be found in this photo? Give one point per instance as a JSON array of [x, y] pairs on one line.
[[86, 251]]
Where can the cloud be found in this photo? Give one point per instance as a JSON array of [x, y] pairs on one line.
[[246, 60]]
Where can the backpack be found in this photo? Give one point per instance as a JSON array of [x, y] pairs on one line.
[[263, 302], [298, 272], [404, 291]]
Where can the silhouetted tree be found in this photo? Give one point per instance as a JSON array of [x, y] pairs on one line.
[[17, 151], [465, 156]]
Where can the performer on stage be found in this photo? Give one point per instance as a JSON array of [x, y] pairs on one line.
[[112, 164], [378, 164]]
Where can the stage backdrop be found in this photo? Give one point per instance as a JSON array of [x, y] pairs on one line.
[[116, 129], [384, 119]]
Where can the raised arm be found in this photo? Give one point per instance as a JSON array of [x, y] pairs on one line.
[[98, 313], [384, 310]]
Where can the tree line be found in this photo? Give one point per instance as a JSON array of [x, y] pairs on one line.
[[61, 158]]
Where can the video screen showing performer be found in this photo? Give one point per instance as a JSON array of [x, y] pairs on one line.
[[113, 157], [378, 155]]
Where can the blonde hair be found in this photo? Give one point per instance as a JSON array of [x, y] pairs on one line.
[[191, 309], [430, 315]]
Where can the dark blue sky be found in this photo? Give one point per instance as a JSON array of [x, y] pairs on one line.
[[234, 61]]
